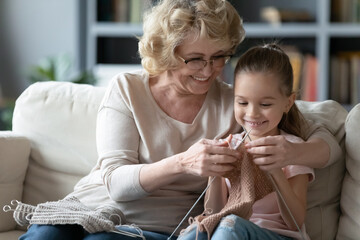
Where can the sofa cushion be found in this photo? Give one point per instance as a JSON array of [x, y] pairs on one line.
[[11, 235], [323, 205], [63, 147], [14, 157], [349, 226]]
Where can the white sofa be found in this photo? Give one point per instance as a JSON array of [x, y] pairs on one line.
[[52, 146]]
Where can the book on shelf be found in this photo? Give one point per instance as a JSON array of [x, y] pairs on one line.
[[305, 73], [121, 13], [275, 15], [344, 81], [345, 77], [309, 80], [345, 11], [296, 60], [334, 78], [355, 80], [135, 11], [129, 11]]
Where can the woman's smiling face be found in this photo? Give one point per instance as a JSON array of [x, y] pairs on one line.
[[191, 81], [259, 103]]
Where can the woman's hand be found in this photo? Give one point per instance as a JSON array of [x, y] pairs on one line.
[[205, 158], [277, 152], [208, 158], [272, 152]]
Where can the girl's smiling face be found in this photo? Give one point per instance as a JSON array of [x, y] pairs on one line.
[[259, 103]]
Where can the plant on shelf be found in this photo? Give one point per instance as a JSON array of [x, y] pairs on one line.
[[6, 114], [59, 68], [54, 68]]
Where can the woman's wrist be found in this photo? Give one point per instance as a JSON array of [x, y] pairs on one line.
[[180, 164], [158, 174]]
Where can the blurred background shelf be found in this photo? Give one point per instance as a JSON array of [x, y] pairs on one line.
[[322, 38], [98, 33], [313, 30]]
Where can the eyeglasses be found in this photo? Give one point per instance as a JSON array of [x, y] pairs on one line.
[[198, 63]]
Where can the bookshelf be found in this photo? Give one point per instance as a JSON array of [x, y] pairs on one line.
[[323, 29]]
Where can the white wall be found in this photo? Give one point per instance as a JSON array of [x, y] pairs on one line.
[[31, 30]]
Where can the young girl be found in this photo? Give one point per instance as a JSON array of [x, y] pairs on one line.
[[264, 103]]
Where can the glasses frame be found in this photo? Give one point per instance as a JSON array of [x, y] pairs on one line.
[[210, 61]]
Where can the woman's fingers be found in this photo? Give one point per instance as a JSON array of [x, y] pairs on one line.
[[215, 162], [214, 142], [219, 147], [270, 152], [217, 169], [209, 158], [264, 141], [262, 150]]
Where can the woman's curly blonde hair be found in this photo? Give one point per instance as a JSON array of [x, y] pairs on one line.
[[168, 23]]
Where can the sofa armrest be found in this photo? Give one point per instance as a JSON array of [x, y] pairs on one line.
[[349, 224], [14, 158], [323, 198]]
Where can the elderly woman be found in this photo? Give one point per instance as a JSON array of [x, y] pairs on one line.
[[157, 128]]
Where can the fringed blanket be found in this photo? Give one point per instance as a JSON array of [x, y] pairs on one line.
[[68, 211]]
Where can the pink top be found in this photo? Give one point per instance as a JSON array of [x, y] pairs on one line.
[[266, 213]]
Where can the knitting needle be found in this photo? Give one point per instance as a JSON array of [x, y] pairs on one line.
[[247, 133], [286, 206], [280, 195], [243, 139], [129, 234], [187, 214]]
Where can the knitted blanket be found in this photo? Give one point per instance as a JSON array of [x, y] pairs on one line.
[[248, 184], [69, 211]]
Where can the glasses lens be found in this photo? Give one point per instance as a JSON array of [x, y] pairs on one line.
[[220, 61], [196, 64]]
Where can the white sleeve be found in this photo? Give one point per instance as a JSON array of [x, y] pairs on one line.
[[117, 144]]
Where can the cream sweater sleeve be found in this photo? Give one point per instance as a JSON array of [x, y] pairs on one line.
[[326, 120], [117, 141], [118, 146]]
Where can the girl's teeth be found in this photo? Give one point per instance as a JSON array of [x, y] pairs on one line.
[[254, 123]]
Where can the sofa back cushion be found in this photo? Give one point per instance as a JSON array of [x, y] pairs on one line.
[[323, 200], [349, 226], [59, 120]]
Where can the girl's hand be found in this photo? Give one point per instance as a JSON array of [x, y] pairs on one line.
[[272, 152], [208, 158]]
